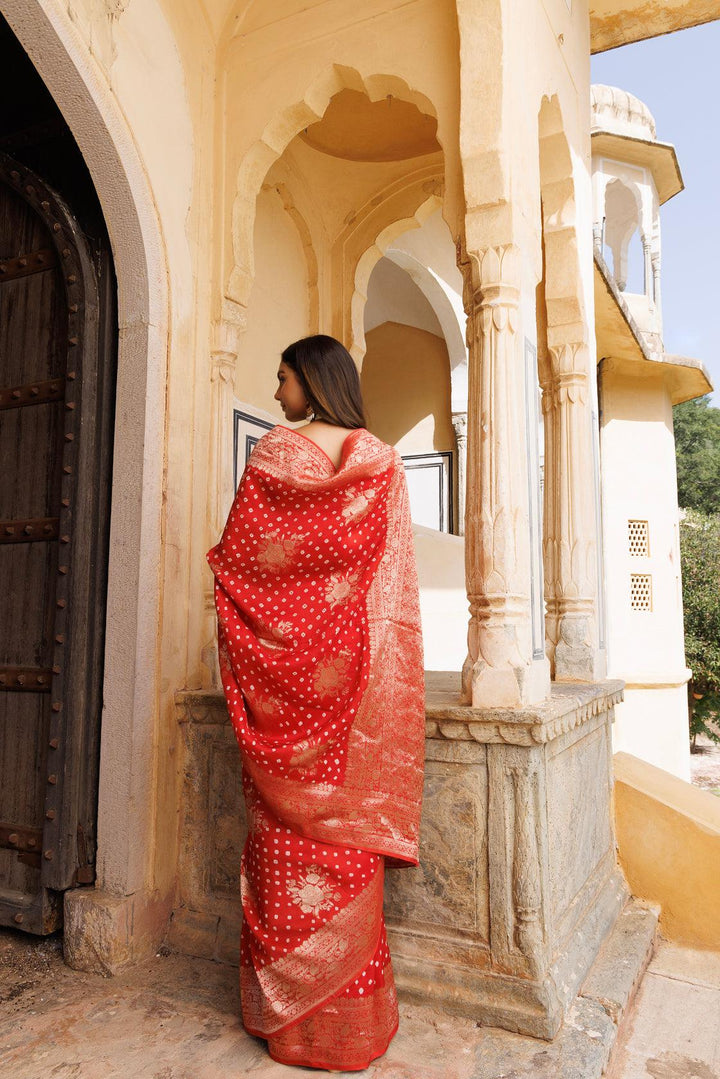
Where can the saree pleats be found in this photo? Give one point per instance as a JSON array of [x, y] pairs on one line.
[[321, 661]]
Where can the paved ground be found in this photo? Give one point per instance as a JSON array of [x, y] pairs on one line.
[[673, 1030], [177, 1018], [705, 765]]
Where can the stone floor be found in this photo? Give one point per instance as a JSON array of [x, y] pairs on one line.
[[177, 1018]]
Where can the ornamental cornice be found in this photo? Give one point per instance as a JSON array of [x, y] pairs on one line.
[[568, 707]]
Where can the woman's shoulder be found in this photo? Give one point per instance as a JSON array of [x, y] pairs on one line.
[[360, 447], [370, 449], [374, 443]]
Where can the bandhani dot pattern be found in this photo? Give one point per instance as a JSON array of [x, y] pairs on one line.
[[321, 663]]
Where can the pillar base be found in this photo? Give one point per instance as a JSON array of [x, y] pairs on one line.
[[577, 659], [518, 884], [104, 933], [507, 686]]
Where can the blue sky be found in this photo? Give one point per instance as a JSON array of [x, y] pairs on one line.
[[678, 78]]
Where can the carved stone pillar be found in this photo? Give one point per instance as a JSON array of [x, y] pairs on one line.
[[569, 547], [500, 668], [655, 264], [459, 422], [220, 468]]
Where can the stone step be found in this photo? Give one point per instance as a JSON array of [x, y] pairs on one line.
[[584, 1044]]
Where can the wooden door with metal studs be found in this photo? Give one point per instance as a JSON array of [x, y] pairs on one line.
[[55, 436]]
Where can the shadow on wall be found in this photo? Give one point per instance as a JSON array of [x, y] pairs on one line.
[[406, 387]]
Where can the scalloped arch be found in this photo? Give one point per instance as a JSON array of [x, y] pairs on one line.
[[366, 264], [284, 126], [436, 293]]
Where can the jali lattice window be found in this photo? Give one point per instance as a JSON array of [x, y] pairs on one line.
[[638, 538], [641, 591]]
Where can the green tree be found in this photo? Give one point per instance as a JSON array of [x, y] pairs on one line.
[[697, 450], [700, 558]]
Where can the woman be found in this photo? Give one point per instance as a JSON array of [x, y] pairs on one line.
[[321, 661]]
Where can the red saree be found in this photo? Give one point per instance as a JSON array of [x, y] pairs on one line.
[[321, 662]]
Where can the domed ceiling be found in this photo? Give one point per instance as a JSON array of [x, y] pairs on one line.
[[357, 129]]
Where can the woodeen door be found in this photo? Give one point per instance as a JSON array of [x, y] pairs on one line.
[[55, 437]]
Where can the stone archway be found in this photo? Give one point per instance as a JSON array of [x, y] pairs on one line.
[[104, 926]]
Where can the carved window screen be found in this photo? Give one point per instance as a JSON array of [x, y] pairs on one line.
[[641, 591], [639, 538]]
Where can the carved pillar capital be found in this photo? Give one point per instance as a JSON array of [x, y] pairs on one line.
[[459, 422], [222, 366]]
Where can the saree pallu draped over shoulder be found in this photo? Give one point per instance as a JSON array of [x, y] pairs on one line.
[[321, 662]]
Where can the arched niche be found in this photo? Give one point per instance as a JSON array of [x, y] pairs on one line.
[[623, 217], [405, 373]]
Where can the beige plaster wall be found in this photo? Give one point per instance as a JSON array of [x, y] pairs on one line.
[[393, 296], [405, 382], [668, 835], [161, 77], [440, 561], [278, 310], [645, 648]]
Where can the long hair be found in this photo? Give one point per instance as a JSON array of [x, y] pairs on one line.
[[328, 375]]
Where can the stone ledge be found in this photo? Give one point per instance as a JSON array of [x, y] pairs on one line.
[[581, 1049], [569, 705]]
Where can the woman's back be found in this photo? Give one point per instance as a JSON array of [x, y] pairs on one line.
[[328, 437]]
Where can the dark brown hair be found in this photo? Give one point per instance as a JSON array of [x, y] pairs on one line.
[[328, 375]]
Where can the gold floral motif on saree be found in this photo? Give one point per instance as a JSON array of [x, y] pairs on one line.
[[276, 551], [313, 891], [269, 707], [357, 502], [340, 588], [282, 991], [256, 816], [306, 753], [331, 674]]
